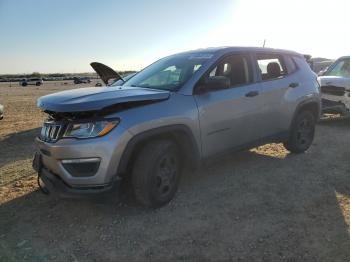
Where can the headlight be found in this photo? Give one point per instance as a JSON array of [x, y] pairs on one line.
[[90, 129]]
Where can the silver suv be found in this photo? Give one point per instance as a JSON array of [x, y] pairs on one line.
[[174, 114], [32, 81]]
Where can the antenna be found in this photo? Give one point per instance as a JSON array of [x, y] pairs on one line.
[[264, 42]]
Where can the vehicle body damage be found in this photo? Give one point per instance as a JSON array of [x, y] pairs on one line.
[[335, 87], [91, 102], [85, 100], [173, 114], [106, 73]]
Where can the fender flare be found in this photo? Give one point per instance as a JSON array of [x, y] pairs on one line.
[[307, 102], [190, 146]]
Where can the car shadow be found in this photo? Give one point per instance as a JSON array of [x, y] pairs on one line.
[[246, 206], [17, 146]]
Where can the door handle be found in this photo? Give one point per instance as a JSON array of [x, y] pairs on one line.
[[252, 94], [293, 85]]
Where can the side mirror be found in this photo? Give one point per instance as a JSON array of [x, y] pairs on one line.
[[213, 83]]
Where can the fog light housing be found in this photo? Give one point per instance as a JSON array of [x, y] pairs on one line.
[[84, 167]]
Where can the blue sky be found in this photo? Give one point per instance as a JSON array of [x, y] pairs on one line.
[[66, 35]]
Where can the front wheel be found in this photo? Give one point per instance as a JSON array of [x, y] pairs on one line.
[[302, 132], [156, 173]]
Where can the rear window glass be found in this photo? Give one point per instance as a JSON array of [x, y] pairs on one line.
[[271, 66]]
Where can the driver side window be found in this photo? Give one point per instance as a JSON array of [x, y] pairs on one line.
[[236, 68]]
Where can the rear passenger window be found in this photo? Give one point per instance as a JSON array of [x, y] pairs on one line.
[[236, 68], [271, 66]]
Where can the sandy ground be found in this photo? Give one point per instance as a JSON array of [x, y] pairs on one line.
[[259, 205]]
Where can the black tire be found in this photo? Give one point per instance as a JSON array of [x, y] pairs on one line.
[[24, 84], [38, 84], [302, 132], [156, 173]]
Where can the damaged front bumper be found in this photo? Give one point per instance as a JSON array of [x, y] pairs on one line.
[[74, 167], [55, 185], [336, 101]]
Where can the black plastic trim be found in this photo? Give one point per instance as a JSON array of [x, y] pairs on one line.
[[193, 150]]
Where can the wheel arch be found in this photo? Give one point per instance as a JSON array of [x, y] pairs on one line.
[[312, 105], [180, 134]]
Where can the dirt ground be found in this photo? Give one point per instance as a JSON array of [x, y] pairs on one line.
[[259, 205]]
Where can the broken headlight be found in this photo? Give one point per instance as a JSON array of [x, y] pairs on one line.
[[90, 129]]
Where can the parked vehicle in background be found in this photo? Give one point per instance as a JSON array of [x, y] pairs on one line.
[[31, 81], [82, 80], [174, 114], [1, 112], [320, 65], [335, 87]]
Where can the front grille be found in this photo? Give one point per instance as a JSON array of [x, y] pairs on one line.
[[51, 132]]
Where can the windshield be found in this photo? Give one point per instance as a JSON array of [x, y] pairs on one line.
[[120, 82], [169, 73], [341, 68]]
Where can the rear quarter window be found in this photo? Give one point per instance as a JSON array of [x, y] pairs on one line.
[[290, 64], [301, 63]]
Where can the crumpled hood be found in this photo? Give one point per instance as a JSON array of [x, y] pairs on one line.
[[334, 81], [97, 98]]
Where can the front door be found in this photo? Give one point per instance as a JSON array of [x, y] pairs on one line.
[[228, 117]]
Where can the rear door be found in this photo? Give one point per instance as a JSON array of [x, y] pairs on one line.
[[228, 116], [275, 82]]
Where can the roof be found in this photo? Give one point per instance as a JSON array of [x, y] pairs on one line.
[[225, 49], [344, 57]]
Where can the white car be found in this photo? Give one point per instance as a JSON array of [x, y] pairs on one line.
[[32, 81], [335, 87]]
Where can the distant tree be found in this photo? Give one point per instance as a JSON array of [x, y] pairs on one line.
[[35, 74]]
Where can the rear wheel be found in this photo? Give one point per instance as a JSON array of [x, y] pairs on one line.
[[24, 84], [156, 173], [302, 132]]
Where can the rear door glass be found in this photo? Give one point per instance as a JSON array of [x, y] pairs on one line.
[[271, 66]]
